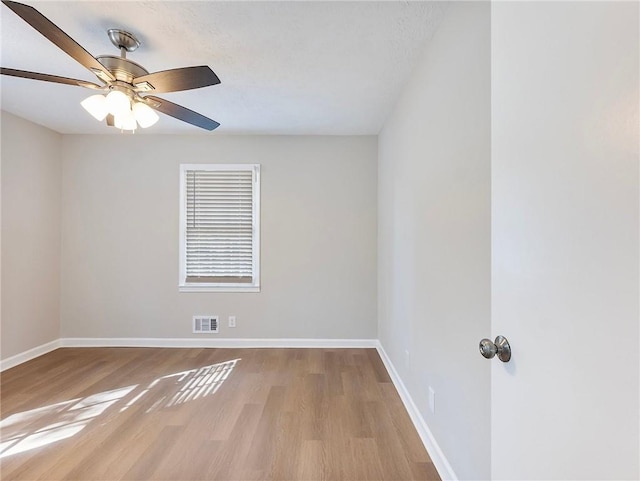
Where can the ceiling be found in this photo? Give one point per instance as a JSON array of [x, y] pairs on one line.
[[294, 67]]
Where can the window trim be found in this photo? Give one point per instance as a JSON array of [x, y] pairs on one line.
[[254, 286]]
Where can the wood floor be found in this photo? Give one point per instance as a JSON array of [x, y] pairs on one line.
[[207, 414]]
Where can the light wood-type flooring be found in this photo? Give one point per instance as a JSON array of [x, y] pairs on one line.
[[207, 414]]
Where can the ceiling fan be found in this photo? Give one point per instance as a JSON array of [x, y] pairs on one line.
[[127, 85]]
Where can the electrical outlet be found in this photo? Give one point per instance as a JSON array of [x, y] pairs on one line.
[[432, 400], [232, 321]]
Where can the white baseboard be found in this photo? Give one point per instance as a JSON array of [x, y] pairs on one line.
[[28, 355], [435, 453], [182, 342], [212, 342]]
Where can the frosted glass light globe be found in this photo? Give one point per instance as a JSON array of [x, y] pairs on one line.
[[125, 121], [144, 114], [118, 103], [96, 105]]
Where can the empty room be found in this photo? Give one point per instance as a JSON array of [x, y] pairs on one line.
[[320, 240]]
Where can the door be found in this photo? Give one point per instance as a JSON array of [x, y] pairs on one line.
[[565, 284]]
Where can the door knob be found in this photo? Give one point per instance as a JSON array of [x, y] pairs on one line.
[[500, 347]]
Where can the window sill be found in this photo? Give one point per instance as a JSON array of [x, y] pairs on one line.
[[209, 288]]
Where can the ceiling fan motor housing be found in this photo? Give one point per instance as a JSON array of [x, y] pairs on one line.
[[122, 69]]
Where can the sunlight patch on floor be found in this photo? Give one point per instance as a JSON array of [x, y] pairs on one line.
[[45, 425], [33, 429], [186, 386]]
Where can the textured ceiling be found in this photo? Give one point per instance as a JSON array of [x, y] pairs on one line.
[[292, 67]]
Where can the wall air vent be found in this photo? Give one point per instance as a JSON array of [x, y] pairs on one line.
[[205, 324]]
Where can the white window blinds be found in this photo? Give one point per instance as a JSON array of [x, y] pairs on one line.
[[220, 225]]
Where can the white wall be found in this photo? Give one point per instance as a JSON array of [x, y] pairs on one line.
[[120, 237], [565, 257], [31, 179], [434, 235]]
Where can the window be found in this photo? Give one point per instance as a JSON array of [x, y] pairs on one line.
[[219, 227]]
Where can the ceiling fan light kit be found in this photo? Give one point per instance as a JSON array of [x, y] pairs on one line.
[[125, 103], [127, 113]]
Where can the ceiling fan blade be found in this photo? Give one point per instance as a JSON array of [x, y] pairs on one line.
[[52, 32], [177, 79], [49, 78], [180, 113]]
